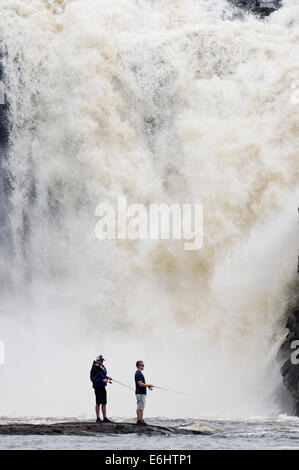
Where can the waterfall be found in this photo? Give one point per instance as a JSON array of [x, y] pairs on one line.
[[162, 102]]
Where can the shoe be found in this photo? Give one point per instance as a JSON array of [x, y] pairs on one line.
[[142, 422], [106, 420], [98, 420]]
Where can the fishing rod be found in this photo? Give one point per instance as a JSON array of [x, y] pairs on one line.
[[120, 383], [156, 386], [175, 391]]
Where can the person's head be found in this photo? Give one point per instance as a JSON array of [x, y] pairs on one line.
[[100, 360], [140, 365]]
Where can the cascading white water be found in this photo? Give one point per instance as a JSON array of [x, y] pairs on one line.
[[162, 101]]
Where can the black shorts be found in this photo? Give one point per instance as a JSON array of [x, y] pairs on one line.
[[101, 395]]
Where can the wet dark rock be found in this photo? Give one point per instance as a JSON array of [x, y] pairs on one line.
[[284, 370], [261, 8], [4, 106], [92, 429], [5, 177], [288, 358]]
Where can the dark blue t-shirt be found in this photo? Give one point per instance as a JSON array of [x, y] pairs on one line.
[[139, 376]]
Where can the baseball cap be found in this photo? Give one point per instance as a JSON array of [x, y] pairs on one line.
[[100, 358]]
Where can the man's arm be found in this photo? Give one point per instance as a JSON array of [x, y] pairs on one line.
[[99, 377], [105, 376], [141, 384], [96, 378]]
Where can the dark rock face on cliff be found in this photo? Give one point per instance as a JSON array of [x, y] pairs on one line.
[[4, 106], [288, 356], [258, 7], [5, 179]]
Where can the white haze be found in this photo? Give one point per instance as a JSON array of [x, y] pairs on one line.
[[162, 101]]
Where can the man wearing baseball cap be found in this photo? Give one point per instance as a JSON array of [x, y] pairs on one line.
[[99, 378]]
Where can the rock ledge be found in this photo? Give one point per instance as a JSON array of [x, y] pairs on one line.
[[92, 429]]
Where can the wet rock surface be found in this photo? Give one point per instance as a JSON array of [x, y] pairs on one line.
[[261, 8], [288, 357], [5, 177], [4, 106], [90, 428]]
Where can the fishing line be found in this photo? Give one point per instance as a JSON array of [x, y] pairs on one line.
[[175, 391], [156, 386], [124, 385]]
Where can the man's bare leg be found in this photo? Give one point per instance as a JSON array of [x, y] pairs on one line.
[[98, 411], [104, 411]]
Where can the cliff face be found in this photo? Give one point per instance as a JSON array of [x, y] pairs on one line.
[[288, 356], [258, 7], [4, 120], [5, 179]]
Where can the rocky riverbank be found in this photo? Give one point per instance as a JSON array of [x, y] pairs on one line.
[[92, 429]]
